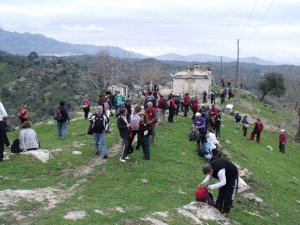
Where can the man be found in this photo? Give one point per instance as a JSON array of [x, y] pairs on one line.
[[227, 174], [123, 127], [99, 122], [62, 116], [258, 127], [3, 115], [200, 125], [238, 119], [172, 108], [86, 105]]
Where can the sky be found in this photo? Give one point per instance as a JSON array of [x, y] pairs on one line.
[[268, 29]]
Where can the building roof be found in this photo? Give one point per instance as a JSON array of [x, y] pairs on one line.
[[194, 72]]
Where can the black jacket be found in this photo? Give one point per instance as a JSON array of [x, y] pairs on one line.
[[122, 126]]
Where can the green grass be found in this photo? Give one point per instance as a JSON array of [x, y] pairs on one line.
[[174, 167]]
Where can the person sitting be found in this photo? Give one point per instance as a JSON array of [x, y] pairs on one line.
[[27, 140]]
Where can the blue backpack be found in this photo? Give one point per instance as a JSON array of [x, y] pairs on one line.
[[207, 148]]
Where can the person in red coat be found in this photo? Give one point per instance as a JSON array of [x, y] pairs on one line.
[[172, 107], [282, 141], [186, 103]]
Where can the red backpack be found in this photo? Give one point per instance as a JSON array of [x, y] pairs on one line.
[[260, 126]]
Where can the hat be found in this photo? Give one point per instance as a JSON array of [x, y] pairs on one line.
[[236, 112], [282, 131], [197, 114]]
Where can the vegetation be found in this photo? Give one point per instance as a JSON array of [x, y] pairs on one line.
[[273, 84], [174, 168]]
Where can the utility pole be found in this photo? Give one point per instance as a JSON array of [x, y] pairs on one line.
[[236, 74]]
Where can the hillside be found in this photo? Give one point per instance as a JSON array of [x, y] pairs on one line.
[[112, 192]]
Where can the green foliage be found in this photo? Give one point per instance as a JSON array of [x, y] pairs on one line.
[[273, 84]]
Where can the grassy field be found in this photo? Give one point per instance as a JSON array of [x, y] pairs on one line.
[[172, 174]]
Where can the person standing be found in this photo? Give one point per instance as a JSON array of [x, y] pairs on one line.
[[258, 126], [23, 114], [282, 141], [61, 115], [212, 97], [172, 108], [152, 119], [217, 125], [186, 103], [204, 95], [227, 174], [245, 123], [200, 125], [135, 124], [238, 119], [99, 123], [162, 107], [123, 127], [144, 135], [3, 115], [86, 106]]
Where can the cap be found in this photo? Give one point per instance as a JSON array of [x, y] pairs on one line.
[[197, 114], [282, 131]]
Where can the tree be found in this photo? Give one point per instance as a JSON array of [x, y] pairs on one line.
[[107, 70], [272, 84], [33, 56]]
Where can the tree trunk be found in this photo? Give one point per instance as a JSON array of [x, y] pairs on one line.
[[262, 97]]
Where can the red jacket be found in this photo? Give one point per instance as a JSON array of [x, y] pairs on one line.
[[186, 100], [86, 101], [195, 105], [172, 103], [151, 115], [282, 138]]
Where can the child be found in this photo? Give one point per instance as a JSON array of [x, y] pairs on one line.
[[282, 141]]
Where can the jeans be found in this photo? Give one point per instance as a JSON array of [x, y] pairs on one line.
[[145, 143], [99, 138], [62, 129], [282, 148]]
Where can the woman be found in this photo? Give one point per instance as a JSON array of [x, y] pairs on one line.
[[123, 127], [134, 125], [245, 123], [144, 135], [27, 140]]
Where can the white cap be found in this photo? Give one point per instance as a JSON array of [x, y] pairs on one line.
[[198, 114], [281, 130]]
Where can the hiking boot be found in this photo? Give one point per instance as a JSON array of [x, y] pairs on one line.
[[105, 157], [122, 160], [97, 153]]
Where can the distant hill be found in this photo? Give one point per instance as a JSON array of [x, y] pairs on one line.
[[212, 58], [23, 44]]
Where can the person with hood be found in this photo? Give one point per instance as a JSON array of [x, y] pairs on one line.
[[282, 141], [227, 174]]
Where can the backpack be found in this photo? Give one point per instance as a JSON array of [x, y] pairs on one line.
[[194, 135], [57, 114], [135, 122], [202, 195], [207, 148], [260, 126]]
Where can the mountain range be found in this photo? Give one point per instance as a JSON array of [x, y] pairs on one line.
[[24, 43]]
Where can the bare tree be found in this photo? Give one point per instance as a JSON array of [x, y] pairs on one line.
[[150, 74], [108, 70]]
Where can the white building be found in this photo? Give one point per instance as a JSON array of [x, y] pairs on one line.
[[194, 80]]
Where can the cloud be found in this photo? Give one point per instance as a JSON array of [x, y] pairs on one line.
[[89, 28]]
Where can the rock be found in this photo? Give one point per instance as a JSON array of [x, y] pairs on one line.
[[258, 200], [154, 221], [182, 192], [76, 153], [227, 141], [164, 215], [254, 214], [298, 201], [270, 148], [41, 154], [99, 211], [119, 209], [275, 215], [249, 196], [144, 181], [226, 153], [76, 215], [243, 186]]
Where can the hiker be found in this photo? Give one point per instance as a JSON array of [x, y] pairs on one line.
[[177, 104], [227, 174], [213, 97], [100, 100], [172, 108], [211, 137], [209, 150], [28, 139], [230, 93], [23, 114], [152, 119], [61, 115], [86, 105], [222, 81], [162, 107], [238, 119], [217, 125], [199, 124], [282, 141], [99, 123], [119, 103], [204, 96], [145, 134], [245, 126], [258, 126], [195, 107], [123, 127], [135, 125], [3, 115], [107, 111], [128, 108], [186, 103]]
